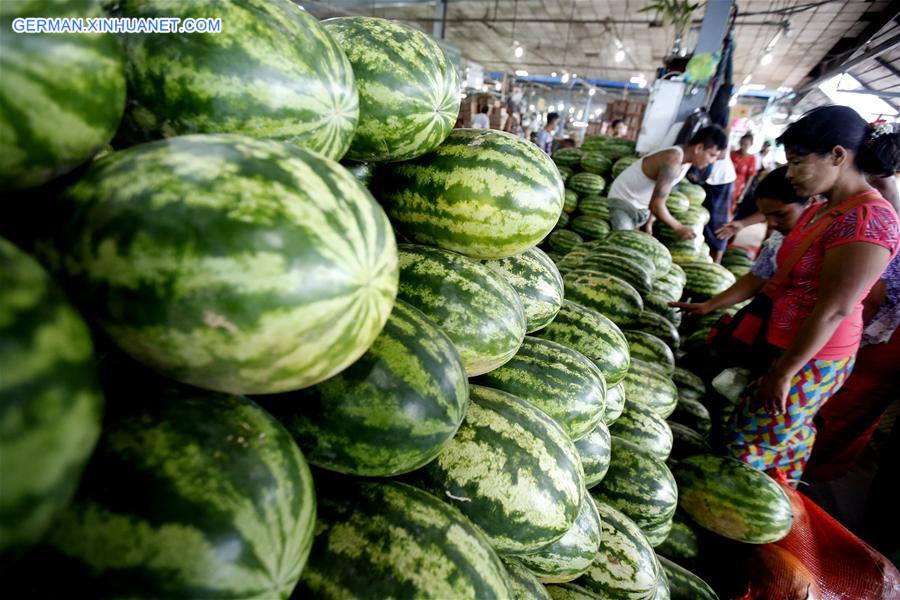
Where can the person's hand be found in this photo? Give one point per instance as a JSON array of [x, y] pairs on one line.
[[729, 230], [685, 232], [692, 309], [772, 392]]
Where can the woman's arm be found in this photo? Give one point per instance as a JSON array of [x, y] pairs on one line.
[[847, 270], [745, 287], [729, 230]]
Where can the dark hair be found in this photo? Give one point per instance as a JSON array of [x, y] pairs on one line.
[[552, 116], [776, 186], [747, 136], [616, 122], [711, 136], [483, 109], [823, 128]]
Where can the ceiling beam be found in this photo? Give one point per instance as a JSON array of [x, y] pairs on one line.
[[869, 54], [887, 65]]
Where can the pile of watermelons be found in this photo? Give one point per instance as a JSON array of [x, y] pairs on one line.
[[197, 301]]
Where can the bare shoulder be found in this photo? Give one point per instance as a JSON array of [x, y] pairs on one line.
[[662, 161]]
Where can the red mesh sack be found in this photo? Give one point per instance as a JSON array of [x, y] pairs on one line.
[[819, 558]]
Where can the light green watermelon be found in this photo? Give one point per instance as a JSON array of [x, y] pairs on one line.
[[615, 403], [649, 386], [610, 296], [536, 279], [649, 348], [645, 428], [594, 451]]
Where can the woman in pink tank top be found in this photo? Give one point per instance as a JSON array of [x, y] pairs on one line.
[[817, 312]]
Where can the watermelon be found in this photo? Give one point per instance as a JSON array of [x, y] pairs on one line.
[[484, 193], [473, 304], [390, 412], [705, 280], [610, 296], [660, 327], [643, 244], [615, 403], [644, 428], [50, 402], [537, 281], [565, 173], [563, 240], [523, 583], [617, 148], [512, 471], [590, 227], [733, 499], [635, 274], [659, 304], [623, 163], [682, 544], [685, 379], [568, 157], [593, 143], [586, 184], [735, 256], [572, 259], [63, 94], [684, 585], [190, 494], [593, 335], [570, 201], [595, 162], [677, 203], [646, 384], [674, 277], [662, 588], [271, 72], [638, 484], [595, 206], [692, 413], [739, 271], [657, 534], [686, 441], [696, 217], [408, 88], [649, 348], [570, 556], [562, 221], [625, 565], [570, 591], [594, 451], [695, 193], [369, 533], [204, 272]]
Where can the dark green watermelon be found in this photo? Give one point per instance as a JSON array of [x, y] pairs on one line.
[[682, 544], [684, 585], [524, 584], [571, 591], [536, 279], [594, 452], [642, 426], [648, 385], [615, 403], [610, 296]]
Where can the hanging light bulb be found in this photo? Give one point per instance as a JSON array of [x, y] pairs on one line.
[[565, 77], [571, 110], [592, 91], [519, 51], [620, 55], [498, 86], [553, 74], [766, 59], [560, 106]]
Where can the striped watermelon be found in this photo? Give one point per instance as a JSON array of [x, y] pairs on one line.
[[190, 494], [473, 304], [662, 588], [615, 403], [62, 97], [408, 88], [563, 383], [586, 184], [563, 240], [369, 533], [674, 277], [735, 256], [50, 402], [570, 201], [595, 162], [634, 273], [659, 304], [617, 148], [696, 195], [643, 244], [593, 335], [625, 566], [705, 280], [570, 591], [272, 72], [572, 259], [682, 544], [645, 384], [660, 327], [562, 221], [570, 556], [590, 227], [594, 451], [692, 413], [687, 442], [684, 585], [644, 428], [204, 272], [483, 193], [638, 484], [512, 471], [685, 379], [649, 348], [593, 143], [677, 203], [657, 534], [595, 206], [523, 583], [697, 217], [568, 157], [733, 499], [610, 296], [565, 173], [622, 164], [390, 412], [537, 281]]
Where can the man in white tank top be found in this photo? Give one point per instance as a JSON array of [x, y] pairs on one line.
[[642, 188]]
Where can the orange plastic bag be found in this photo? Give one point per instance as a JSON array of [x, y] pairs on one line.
[[819, 559]]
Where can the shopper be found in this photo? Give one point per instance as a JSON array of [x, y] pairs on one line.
[[642, 188], [744, 168], [481, 120], [816, 318], [545, 137], [618, 128], [719, 186]]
